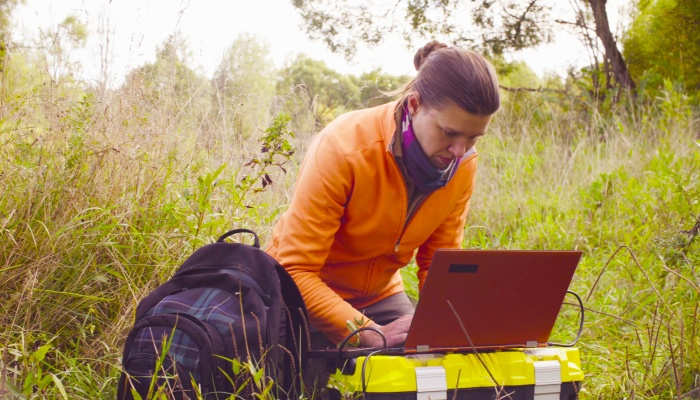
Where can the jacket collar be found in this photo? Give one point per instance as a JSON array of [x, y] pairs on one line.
[[389, 126]]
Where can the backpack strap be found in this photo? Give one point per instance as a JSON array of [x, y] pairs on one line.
[[294, 303], [256, 243]]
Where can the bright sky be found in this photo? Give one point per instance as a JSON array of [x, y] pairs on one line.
[[136, 27]]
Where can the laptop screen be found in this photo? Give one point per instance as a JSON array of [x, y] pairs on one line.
[[490, 299]]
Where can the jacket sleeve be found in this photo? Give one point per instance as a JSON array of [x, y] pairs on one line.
[[450, 232], [323, 187]]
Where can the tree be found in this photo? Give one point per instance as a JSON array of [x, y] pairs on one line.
[[70, 34], [168, 77], [167, 90], [612, 54], [491, 26], [323, 91], [494, 26], [244, 86], [519, 75], [6, 7], [376, 87], [663, 42]]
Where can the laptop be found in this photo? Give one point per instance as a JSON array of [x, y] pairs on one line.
[[490, 299], [475, 300]]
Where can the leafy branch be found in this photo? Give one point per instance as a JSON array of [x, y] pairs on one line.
[[275, 152]]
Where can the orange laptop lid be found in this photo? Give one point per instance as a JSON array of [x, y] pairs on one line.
[[504, 298]]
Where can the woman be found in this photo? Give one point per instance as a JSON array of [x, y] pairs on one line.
[[378, 184]]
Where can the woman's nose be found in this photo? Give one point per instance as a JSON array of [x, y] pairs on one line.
[[458, 148]]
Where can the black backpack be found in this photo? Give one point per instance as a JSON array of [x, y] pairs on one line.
[[230, 321]]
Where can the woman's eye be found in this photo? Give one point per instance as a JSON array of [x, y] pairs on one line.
[[450, 134]]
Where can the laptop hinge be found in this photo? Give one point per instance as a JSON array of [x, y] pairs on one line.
[[547, 380], [431, 383], [531, 343], [422, 348]]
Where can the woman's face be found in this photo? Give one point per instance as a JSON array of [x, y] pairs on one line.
[[445, 132]]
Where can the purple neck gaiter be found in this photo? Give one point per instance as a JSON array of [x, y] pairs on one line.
[[422, 172]]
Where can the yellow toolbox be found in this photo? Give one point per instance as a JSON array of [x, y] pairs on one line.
[[546, 373]]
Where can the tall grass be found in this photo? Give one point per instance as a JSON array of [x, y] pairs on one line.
[[105, 194], [623, 187], [100, 205]]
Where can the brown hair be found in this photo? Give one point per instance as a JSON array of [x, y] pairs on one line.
[[449, 73]]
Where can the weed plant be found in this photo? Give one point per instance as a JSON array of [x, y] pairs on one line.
[[106, 192]]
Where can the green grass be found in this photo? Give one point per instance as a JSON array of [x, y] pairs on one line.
[[635, 189], [101, 203]]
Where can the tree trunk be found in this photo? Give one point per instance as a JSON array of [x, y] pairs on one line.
[[602, 29]]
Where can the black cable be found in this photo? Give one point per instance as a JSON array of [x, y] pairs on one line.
[[364, 364], [471, 344], [580, 325]]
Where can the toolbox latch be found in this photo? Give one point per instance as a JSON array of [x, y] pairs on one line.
[[431, 383], [547, 380]]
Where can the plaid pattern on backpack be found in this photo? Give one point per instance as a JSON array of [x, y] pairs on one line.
[[227, 301]]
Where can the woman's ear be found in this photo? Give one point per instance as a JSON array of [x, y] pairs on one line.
[[413, 102]]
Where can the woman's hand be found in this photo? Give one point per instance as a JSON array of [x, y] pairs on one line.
[[395, 333]]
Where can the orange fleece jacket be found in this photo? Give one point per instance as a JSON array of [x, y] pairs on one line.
[[344, 236]]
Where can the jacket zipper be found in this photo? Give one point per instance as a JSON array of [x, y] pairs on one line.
[[410, 212]]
